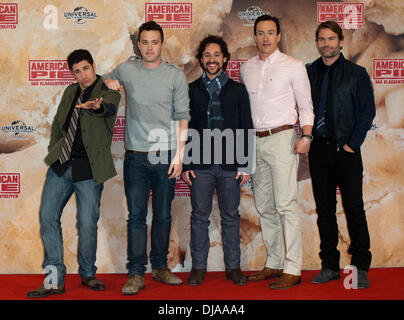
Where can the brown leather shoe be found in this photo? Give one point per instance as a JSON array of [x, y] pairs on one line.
[[166, 276], [286, 281], [42, 292], [265, 274], [93, 283], [133, 285]]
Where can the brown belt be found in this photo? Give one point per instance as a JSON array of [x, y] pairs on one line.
[[267, 133]]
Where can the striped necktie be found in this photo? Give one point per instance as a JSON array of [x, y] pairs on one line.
[[64, 155], [320, 124]]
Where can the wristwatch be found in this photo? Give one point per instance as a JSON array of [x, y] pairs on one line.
[[308, 136]]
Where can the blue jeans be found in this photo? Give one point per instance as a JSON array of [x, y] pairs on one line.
[[56, 193], [228, 192], [139, 177]]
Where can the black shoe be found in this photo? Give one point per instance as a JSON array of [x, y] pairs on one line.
[[93, 283], [363, 279], [236, 276], [196, 277], [326, 275], [42, 292]]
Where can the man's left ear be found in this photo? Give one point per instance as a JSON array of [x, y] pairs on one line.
[[94, 66]]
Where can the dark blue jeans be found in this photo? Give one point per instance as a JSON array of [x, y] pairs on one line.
[[56, 193], [140, 175], [228, 192]]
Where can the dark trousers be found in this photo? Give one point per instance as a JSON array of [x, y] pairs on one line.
[[330, 167], [228, 192]]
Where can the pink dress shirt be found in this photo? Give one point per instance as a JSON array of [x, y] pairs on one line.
[[275, 87]]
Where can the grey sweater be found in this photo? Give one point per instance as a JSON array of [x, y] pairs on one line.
[[155, 100]]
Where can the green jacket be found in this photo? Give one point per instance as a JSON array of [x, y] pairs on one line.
[[96, 128]]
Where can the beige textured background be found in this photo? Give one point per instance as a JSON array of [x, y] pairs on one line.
[[108, 38]]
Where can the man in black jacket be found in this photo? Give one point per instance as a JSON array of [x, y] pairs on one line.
[[344, 108], [220, 122]]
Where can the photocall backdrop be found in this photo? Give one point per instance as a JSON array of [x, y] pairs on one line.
[[37, 36]]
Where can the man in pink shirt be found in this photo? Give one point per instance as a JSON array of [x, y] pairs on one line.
[[276, 84]]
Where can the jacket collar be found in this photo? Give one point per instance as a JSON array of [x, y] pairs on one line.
[[320, 64], [88, 91]]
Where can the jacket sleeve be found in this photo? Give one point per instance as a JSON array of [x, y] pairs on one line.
[[245, 146], [109, 105], [56, 132], [187, 164], [365, 110]]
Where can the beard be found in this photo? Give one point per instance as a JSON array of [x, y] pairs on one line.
[[216, 71], [330, 54]]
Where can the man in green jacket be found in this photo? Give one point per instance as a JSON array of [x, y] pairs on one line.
[[80, 161]]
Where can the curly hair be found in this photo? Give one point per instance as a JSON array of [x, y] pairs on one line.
[[213, 39]]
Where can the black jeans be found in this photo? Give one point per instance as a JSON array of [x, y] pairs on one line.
[[330, 167]]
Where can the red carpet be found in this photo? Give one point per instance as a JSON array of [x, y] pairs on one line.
[[386, 284]]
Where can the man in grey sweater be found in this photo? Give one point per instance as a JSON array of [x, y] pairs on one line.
[[157, 115]]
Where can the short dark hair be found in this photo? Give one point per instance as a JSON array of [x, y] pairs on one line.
[[333, 26], [213, 39], [267, 17], [148, 26], [77, 56]]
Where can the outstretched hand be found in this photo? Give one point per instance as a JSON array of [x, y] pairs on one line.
[[91, 104]]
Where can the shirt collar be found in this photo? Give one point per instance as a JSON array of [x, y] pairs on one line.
[[270, 59], [87, 91]]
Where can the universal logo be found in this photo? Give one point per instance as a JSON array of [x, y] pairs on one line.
[[80, 15], [251, 14], [18, 129]]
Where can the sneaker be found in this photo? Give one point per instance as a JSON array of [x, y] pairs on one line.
[[326, 275], [236, 276], [196, 277], [363, 279], [133, 284], [166, 276], [42, 292]]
